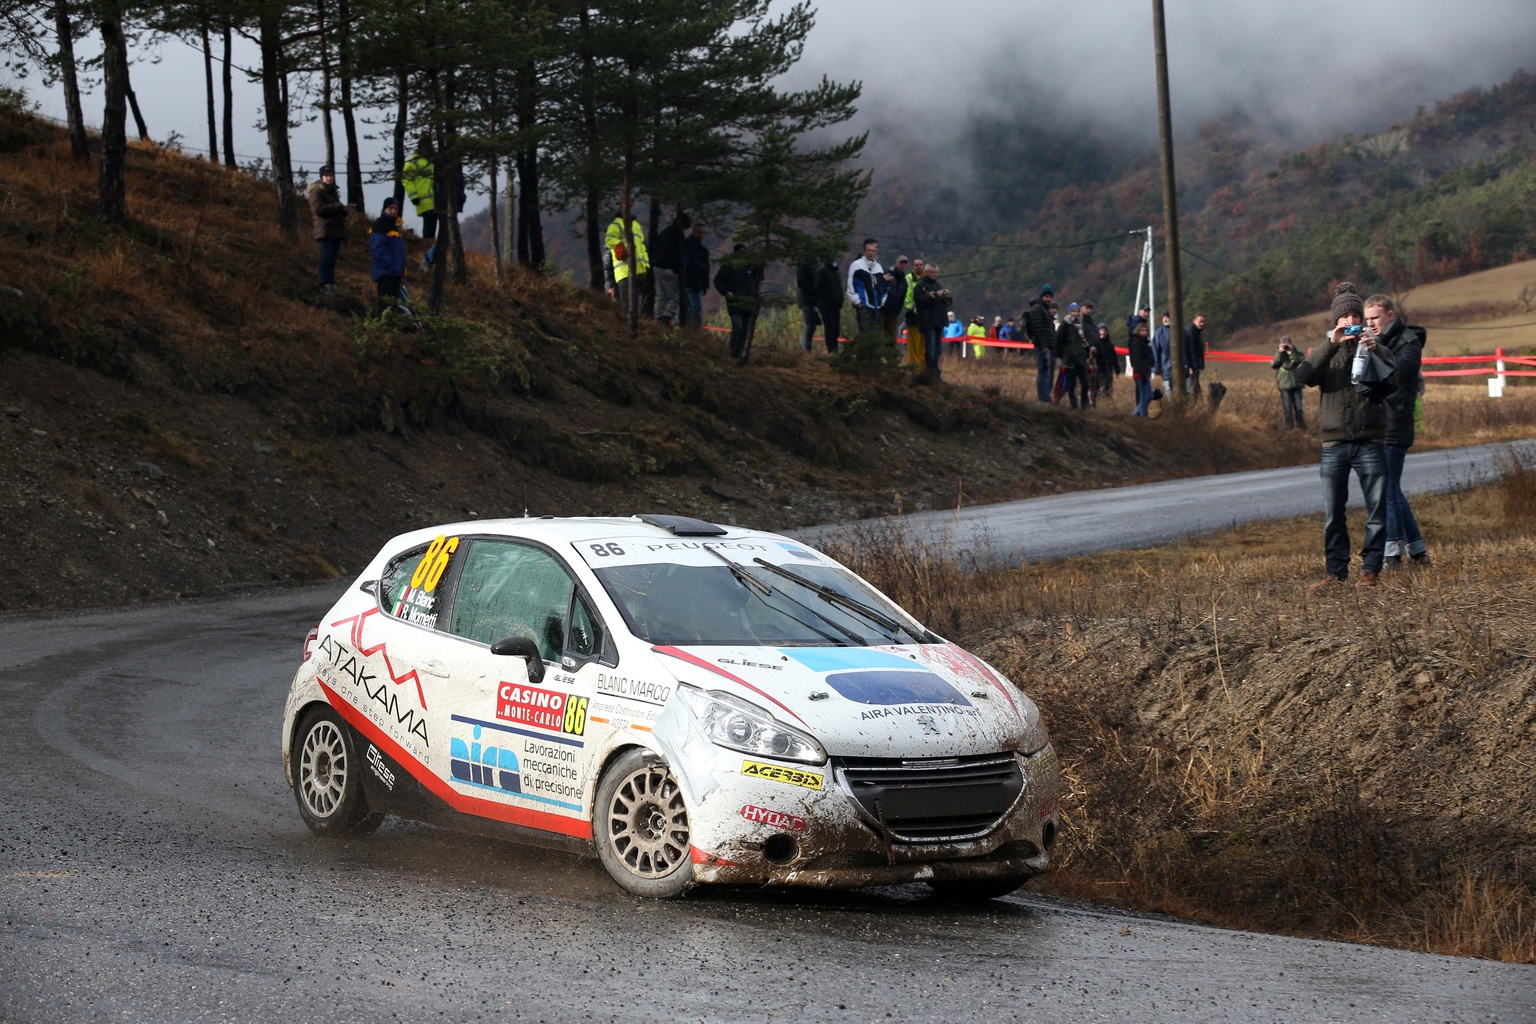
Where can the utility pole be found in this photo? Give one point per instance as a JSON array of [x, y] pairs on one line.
[[1175, 387]]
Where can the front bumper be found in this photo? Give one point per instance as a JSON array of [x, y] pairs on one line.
[[761, 822]]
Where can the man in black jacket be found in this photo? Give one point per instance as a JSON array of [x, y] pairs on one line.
[[667, 267], [695, 276], [1040, 329], [739, 284], [828, 281], [895, 300], [1407, 346], [1353, 424]]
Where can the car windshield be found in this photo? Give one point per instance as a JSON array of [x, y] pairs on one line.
[[749, 604]]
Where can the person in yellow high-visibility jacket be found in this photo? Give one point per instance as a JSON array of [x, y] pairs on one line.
[[977, 330], [416, 177], [916, 357], [619, 252]]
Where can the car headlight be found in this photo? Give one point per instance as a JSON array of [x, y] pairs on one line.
[[738, 725]]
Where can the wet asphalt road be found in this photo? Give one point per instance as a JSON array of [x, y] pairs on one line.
[[153, 868], [1085, 522]]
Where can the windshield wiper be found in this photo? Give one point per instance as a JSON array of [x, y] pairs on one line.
[[836, 597], [763, 590]]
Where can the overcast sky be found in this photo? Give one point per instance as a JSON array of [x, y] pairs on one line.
[[1313, 68]]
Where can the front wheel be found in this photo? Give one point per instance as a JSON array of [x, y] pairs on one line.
[[977, 891], [327, 780], [640, 827]]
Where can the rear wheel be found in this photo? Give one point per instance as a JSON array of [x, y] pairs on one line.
[[977, 891], [327, 778], [640, 827]]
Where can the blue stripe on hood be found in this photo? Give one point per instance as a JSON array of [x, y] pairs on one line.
[[830, 659]]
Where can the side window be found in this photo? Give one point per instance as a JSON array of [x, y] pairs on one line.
[[586, 634], [507, 589], [409, 587]]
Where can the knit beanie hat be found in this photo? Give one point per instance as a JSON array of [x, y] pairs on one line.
[[1346, 301]]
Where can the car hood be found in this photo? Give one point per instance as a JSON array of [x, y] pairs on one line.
[[918, 700]]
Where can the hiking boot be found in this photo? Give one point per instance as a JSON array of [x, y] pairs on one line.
[[1392, 562], [1368, 579], [1422, 560], [1326, 582]]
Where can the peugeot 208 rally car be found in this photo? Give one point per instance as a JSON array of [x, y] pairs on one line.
[[698, 703]]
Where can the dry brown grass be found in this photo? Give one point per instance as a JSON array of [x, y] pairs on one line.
[[1240, 751]]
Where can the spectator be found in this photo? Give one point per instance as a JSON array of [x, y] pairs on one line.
[[933, 302], [1141, 364], [917, 355], [895, 298], [1407, 346], [696, 275], [416, 177], [386, 252], [329, 214], [1162, 351], [621, 251], [1284, 364], [1072, 353], [866, 287], [829, 303], [1353, 426], [805, 298], [668, 267], [1144, 314], [953, 331], [739, 284], [1009, 331], [1106, 362], [1041, 333], [1194, 354], [976, 331]]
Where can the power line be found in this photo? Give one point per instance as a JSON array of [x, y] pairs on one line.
[[958, 243]]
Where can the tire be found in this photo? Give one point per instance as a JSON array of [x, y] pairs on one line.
[[640, 827], [977, 891], [327, 777]]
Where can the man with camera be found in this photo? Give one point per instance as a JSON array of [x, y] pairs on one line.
[[1284, 364], [1353, 422]]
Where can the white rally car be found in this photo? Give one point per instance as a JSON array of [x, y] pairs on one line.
[[698, 703]]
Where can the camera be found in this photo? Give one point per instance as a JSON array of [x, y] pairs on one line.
[[1354, 330]]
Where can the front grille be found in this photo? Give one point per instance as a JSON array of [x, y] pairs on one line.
[[932, 800]]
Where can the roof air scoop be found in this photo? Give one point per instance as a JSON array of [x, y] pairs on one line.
[[683, 526]]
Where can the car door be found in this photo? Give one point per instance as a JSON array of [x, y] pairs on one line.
[[517, 744], [387, 661]]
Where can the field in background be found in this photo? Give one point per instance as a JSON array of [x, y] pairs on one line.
[[1240, 751]]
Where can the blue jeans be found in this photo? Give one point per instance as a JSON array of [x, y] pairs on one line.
[[741, 326], [330, 248], [1403, 537], [933, 345], [696, 305], [1370, 466], [1043, 373], [1143, 395]]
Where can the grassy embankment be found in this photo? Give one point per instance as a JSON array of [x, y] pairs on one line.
[[1239, 751]]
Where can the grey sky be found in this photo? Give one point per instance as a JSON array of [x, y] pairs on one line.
[[1309, 68], [1312, 67]]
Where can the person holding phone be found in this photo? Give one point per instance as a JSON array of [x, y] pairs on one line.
[[1284, 364], [1353, 425]]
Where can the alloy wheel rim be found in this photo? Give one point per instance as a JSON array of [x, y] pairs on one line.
[[323, 769], [648, 823]]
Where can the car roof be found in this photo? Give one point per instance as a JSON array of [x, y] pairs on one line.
[[576, 529]]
